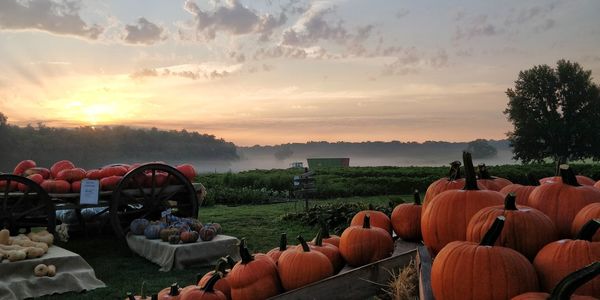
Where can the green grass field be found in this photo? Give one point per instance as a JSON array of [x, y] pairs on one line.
[[123, 271]]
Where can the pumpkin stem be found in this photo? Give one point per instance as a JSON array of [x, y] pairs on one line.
[[209, 286], [198, 277], [568, 177], [154, 297], [532, 180], [230, 261], [130, 296], [471, 180], [367, 221], [244, 253], [490, 237], [283, 242], [325, 230], [371, 207], [510, 202], [483, 172], [319, 239], [417, 197], [305, 247], [559, 161], [567, 286], [221, 265], [454, 172], [588, 230], [174, 290]]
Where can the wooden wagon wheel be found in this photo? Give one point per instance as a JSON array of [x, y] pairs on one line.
[[146, 191], [24, 210]]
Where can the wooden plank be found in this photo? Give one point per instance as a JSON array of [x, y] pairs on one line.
[[357, 283], [424, 265]]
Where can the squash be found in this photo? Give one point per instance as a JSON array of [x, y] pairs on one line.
[[37, 178], [301, 266], [254, 277], [208, 233], [71, 175], [138, 226], [522, 192], [4, 237], [406, 219], [37, 170], [467, 270], [110, 183], [170, 293], [360, 245], [23, 166], [40, 270], [152, 231], [378, 219], [188, 237], [275, 253], [222, 284], [56, 186], [188, 171], [587, 213], [490, 182], [328, 238], [557, 259], [207, 292], [59, 166], [452, 182], [331, 251]]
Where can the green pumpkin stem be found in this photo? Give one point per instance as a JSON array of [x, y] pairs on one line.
[[319, 239], [283, 242], [588, 230], [532, 180], [367, 221], [567, 175], [510, 202], [130, 296], [305, 247], [221, 265], [174, 289], [244, 253], [325, 230], [483, 172], [559, 162], [454, 172], [230, 261], [470, 179], [154, 297], [567, 286], [490, 237], [371, 207], [417, 197], [209, 286]]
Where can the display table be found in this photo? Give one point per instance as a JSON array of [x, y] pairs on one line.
[[73, 274], [179, 256]]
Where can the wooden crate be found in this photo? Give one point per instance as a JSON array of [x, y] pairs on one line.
[[357, 283], [424, 268]]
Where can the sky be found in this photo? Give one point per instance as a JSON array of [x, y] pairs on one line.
[[271, 72]]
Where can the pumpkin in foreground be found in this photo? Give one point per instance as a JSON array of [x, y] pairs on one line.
[[254, 277], [467, 270], [207, 292], [378, 219], [331, 251], [452, 182], [490, 182], [275, 253], [360, 245], [222, 284], [589, 212], [301, 266]]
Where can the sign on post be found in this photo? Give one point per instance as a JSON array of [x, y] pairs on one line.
[[90, 189]]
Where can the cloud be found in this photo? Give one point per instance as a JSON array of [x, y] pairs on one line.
[[402, 13], [233, 18], [190, 71], [479, 26], [144, 32], [313, 26], [316, 52], [144, 73], [53, 16], [411, 60]]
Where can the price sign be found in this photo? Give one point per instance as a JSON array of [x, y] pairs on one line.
[[90, 189]]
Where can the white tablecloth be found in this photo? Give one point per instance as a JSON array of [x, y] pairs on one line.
[[179, 256], [73, 274]]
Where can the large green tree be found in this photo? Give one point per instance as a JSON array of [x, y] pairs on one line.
[[555, 113]]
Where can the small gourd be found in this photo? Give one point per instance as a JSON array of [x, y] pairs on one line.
[[152, 232], [188, 237], [138, 226], [174, 239], [208, 232], [40, 270]]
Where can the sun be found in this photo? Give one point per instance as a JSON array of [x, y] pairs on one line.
[[90, 113]]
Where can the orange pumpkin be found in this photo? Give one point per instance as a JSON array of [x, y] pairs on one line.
[[254, 277], [557, 259], [95, 174], [37, 170], [583, 180], [526, 229], [207, 292], [446, 217], [521, 191], [490, 182], [328, 238], [222, 284], [331, 251], [188, 171], [110, 183], [170, 293], [561, 201], [452, 182], [378, 219], [360, 245], [70, 175], [567, 286], [301, 266], [406, 219], [467, 270], [56, 186], [589, 212], [59, 166], [275, 253], [37, 178]]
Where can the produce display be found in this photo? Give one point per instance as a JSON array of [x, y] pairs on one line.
[[64, 177], [20, 247], [175, 230]]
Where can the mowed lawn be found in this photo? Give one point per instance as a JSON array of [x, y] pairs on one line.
[[123, 271]]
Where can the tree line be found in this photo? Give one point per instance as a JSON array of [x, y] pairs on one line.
[[90, 147]]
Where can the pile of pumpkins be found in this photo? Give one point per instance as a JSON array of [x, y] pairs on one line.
[[64, 177], [175, 230], [492, 239]]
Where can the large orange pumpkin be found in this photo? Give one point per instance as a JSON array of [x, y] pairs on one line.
[[71, 175], [406, 219], [59, 166], [170, 293], [557, 259], [467, 270], [360, 245], [521, 191], [331, 251], [526, 229], [490, 182], [583, 180], [561, 201], [378, 219], [452, 182], [567, 286], [301, 266], [254, 277], [222, 284], [589, 212], [207, 292], [275, 253], [446, 217], [328, 238], [56, 186]]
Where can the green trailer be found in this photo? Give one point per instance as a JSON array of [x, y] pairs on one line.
[[315, 163]]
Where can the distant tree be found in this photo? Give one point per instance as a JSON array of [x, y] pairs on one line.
[[555, 113], [481, 149], [3, 119], [284, 152]]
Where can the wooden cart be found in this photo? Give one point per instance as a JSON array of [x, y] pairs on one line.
[[143, 192]]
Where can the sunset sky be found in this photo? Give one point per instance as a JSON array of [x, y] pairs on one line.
[[270, 72]]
